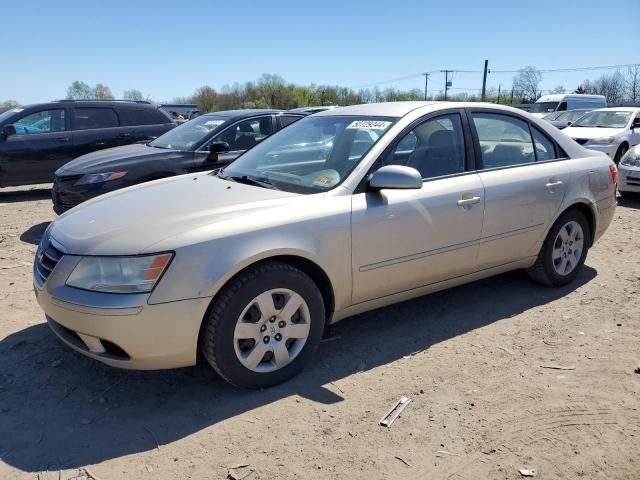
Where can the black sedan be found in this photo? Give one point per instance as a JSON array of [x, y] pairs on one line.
[[204, 143]]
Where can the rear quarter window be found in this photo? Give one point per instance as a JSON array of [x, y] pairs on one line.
[[87, 118], [141, 116]]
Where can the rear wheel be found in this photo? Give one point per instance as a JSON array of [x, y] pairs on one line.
[[620, 153], [563, 252], [264, 326]]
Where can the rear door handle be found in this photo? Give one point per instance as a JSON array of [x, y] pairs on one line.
[[554, 183], [468, 201], [125, 135], [100, 144], [62, 139]]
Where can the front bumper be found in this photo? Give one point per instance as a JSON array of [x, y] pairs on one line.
[[66, 195], [121, 330], [628, 179], [610, 150]]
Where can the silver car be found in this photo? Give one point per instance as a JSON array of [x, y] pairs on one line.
[[342, 212], [629, 168]]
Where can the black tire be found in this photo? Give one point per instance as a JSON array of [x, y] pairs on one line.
[[543, 270], [622, 149], [216, 340]]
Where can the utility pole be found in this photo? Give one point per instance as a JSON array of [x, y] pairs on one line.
[[484, 79], [512, 89], [447, 84], [426, 84], [499, 88]]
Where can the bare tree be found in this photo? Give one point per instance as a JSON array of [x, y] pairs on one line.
[[558, 89], [135, 95], [632, 81], [80, 91], [611, 86], [102, 92], [8, 105], [205, 97], [526, 82]]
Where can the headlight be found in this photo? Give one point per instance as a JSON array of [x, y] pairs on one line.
[[99, 177], [119, 274], [603, 140], [631, 158]]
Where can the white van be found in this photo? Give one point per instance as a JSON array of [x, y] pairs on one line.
[[562, 102]]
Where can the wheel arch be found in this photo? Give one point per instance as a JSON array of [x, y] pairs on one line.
[[588, 210]]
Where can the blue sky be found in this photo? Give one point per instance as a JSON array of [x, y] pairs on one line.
[[169, 48]]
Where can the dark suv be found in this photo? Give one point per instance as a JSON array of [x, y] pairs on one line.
[[207, 142], [36, 140]]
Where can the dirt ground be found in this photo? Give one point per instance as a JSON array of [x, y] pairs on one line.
[[482, 407]]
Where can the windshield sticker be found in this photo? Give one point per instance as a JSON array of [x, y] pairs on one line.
[[326, 178], [214, 123], [370, 124], [17, 110]]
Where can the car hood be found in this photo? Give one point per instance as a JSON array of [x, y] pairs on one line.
[[592, 132], [113, 158], [130, 221]]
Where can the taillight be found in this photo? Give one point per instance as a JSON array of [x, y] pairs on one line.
[[613, 170]]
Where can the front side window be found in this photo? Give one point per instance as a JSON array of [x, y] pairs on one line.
[[435, 148], [189, 134], [312, 155], [504, 140], [604, 119], [247, 133], [87, 118], [544, 107], [45, 121]]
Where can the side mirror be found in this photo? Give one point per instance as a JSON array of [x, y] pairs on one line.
[[636, 123], [397, 177], [217, 147], [8, 130]]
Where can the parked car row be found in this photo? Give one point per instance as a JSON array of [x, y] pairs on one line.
[[35, 140], [208, 141], [344, 211]]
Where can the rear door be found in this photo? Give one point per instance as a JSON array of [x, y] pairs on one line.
[[96, 128], [525, 177], [145, 123], [41, 145]]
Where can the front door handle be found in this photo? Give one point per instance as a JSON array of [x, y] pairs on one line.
[[125, 135], [62, 139], [463, 202], [554, 183]]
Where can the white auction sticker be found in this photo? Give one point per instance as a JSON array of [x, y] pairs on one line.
[[370, 124], [214, 123]]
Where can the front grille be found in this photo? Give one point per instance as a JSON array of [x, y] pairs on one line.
[[582, 141], [47, 257]]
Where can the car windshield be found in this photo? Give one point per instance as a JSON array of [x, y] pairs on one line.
[[570, 116], [8, 114], [312, 155], [543, 107], [553, 115], [604, 119], [189, 134]]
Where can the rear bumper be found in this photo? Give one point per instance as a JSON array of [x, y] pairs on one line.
[[121, 330], [629, 179]]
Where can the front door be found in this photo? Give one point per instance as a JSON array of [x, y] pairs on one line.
[[404, 239], [41, 145]]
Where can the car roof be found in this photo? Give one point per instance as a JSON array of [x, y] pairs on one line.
[[617, 109], [91, 103], [249, 112]]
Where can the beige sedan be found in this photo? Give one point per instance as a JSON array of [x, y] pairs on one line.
[[342, 212]]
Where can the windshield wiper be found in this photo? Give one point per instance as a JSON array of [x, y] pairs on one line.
[[258, 182]]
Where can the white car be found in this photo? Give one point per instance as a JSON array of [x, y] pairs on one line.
[[629, 172], [609, 130]]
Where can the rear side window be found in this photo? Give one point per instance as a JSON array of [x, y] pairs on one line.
[[545, 148], [141, 116], [504, 140], [94, 117], [45, 121], [288, 120]]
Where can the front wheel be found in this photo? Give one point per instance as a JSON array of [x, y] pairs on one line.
[[264, 326], [563, 252]]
